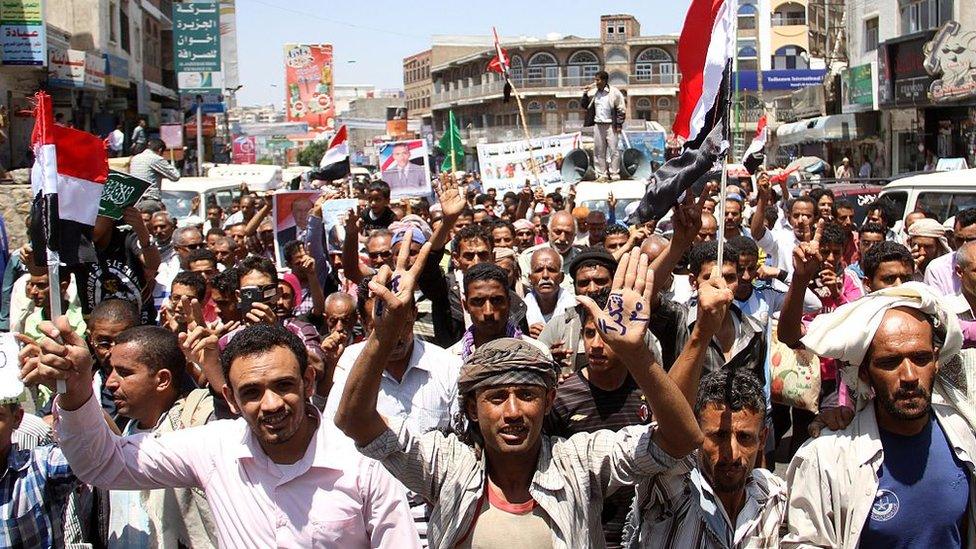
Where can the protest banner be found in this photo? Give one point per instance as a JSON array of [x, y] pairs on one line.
[[121, 190], [505, 166], [289, 210], [308, 85], [652, 144], [403, 165]]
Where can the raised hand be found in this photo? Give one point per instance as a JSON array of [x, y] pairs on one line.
[[394, 292], [61, 355], [450, 196], [623, 323], [353, 224], [714, 298], [687, 218], [806, 257]]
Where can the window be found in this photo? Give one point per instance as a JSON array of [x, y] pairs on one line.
[[516, 70], [581, 69], [535, 113], [871, 34], [543, 70], [790, 13], [609, 30], [945, 205], [643, 109], [573, 105], [791, 57], [113, 22], [551, 105], [124, 29], [655, 66], [747, 16], [664, 102], [620, 30], [920, 15], [747, 57]]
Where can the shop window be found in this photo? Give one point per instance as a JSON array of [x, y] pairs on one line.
[[870, 34]]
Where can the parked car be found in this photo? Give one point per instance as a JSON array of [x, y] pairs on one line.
[[941, 193]]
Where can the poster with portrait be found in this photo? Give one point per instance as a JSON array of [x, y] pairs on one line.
[[403, 165], [506, 166], [289, 210]]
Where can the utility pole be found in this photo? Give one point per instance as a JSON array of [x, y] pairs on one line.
[[199, 135]]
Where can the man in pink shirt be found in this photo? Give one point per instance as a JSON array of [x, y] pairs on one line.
[[278, 476]]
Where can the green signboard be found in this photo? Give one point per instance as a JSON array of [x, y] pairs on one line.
[[858, 89], [121, 190], [196, 47]]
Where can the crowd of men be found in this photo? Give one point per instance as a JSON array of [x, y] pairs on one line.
[[485, 371]]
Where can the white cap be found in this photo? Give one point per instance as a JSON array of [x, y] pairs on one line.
[[11, 387]]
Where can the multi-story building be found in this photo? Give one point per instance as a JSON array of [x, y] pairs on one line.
[[897, 54], [417, 84], [550, 74]]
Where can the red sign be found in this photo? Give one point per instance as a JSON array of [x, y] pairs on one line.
[[245, 150], [209, 127], [308, 85]]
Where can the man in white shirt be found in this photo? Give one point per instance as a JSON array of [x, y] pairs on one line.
[[115, 141], [605, 112], [779, 243]]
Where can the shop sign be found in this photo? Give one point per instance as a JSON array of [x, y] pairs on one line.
[[65, 68], [94, 71], [951, 57], [790, 79], [116, 71], [196, 45], [902, 75], [857, 91], [23, 35], [209, 127]]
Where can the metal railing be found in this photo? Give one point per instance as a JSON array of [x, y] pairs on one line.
[[784, 20], [656, 79]]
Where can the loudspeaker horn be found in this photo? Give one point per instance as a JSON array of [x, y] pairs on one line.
[[577, 166], [634, 164]]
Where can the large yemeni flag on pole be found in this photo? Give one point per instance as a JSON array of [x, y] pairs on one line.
[[335, 161], [706, 45], [500, 64], [69, 172]]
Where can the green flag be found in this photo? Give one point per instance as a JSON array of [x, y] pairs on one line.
[[451, 146]]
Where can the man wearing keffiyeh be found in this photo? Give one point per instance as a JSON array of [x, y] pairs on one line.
[[904, 467]]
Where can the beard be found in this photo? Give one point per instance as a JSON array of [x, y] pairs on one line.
[[894, 404]]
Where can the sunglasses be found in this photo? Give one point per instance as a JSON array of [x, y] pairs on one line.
[[191, 246]]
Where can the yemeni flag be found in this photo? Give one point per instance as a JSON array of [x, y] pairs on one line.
[[335, 161], [705, 51], [753, 156], [500, 63], [451, 145], [69, 172]]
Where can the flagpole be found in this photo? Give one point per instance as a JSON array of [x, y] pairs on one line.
[[723, 181], [525, 129], [54, 289]]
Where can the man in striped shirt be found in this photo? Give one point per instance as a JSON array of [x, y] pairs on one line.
[[718, 497]]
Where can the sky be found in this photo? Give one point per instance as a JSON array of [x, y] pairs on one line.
[[371, 38]]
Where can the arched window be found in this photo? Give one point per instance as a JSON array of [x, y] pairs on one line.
[[582, 66], [789, 13], [654, 66], [573, 105], [643, 109], [516, 69], [747, 58], [617, 55], [618, 78], [534, 116], [791, 57], [747, 16], [664, 102], [534, 106], [551, 105], [543, 70]]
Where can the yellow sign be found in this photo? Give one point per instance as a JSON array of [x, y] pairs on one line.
[[21, 11]]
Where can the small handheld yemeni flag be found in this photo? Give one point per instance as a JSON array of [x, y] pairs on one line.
[[335, 161], [69, 172], [752, 158]]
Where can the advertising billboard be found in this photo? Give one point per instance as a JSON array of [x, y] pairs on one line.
[[308, 85]]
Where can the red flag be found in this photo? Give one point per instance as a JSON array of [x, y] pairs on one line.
[[500, 62]]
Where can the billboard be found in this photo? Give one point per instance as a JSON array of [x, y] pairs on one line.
[[505, 166], [65, 68], [786, 79], [308, 85], [859, 89], [23, 34], [245, 150], [196, 47], [403, 165]]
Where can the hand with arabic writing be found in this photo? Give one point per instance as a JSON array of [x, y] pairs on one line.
[[624, 322]]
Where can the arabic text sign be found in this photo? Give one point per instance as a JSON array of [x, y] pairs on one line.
[[196, 46], [94, 71], [65, 68], [23, 44], [121, 191], [21, 11], [505, 166], [308, 83]]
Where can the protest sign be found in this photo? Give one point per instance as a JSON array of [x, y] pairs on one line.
[[403, 165], [652, 144], [289, 210], [506, 167], [121, 190]]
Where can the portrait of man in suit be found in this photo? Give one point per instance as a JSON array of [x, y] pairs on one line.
[[403, 174]]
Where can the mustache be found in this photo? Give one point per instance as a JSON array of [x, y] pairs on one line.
[[918, 392]]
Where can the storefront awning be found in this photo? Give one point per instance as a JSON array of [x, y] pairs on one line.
[[162, 91], [835, 127]]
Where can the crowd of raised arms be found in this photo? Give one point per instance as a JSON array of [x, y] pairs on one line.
[[498, 370]]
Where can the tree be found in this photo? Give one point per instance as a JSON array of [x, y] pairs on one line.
[[312, 154]]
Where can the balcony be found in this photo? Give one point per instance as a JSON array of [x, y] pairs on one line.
[[655, 79], [787, 20]]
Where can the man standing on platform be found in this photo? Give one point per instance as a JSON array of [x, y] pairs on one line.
[[605, 113]]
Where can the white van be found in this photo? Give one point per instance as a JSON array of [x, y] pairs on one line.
[[593, 195], [259, 177], [190, 195], [941, 193]]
